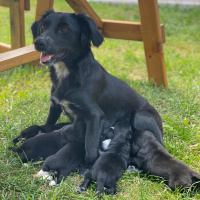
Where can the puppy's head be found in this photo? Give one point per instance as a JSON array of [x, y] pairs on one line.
[[59, 36], [123, 129]]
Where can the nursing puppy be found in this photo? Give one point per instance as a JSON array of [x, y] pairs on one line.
[[81, 86], [65, 161], [35, 130], [111, 164], [44, 145], [150, 156]]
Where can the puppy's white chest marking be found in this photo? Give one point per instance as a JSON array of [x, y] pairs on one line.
[[61, 71]]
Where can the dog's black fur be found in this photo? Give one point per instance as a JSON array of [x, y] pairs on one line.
[[111, 164], [35, 130], [66, 160], [150, 156], [81, 86], [44, 145]]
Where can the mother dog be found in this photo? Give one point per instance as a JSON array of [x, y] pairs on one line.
[[81, 86]]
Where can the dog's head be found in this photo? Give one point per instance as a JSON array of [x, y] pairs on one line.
[[60, 36]]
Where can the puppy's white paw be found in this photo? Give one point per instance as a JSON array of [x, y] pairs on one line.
[[105, 144], [52, 183], [26, 164], [43, 175], [132, 168]]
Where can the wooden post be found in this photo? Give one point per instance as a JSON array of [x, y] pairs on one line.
[[81, 6], [152, 38], [42, 7], [17, 23]]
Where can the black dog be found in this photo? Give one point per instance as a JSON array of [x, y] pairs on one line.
[[44, 145], [152, 158], [35, 130], [65, 161], [111, 164], [81, 86]]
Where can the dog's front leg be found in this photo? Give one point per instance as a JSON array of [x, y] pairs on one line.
[[93, 131], [54, 113]]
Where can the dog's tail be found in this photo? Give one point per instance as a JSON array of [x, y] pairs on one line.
[[101, 179]]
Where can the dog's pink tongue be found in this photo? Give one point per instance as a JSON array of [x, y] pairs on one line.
[[44, 57]]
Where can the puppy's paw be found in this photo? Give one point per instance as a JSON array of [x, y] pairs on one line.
[[132, 168], [43, 174], [83, 171], [80, 189], [52, 183]]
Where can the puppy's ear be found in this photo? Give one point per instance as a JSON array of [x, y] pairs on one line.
[[35, 26], [89, 30]]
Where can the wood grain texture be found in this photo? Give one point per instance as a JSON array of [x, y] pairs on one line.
[[4, 47], [18, 57], [153, 44], [125, 30]]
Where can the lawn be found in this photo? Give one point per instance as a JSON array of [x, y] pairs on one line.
[[24, 101]]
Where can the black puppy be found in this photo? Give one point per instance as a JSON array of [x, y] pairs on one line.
[[35, 130], [44, 145], [111, 164], [65, 161], [152, 157], [81, 86]]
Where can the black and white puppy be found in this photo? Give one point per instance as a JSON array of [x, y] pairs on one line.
[[111, 164], [35, 130], [81, 86], [65, 161], [44, 145], [150, 156]]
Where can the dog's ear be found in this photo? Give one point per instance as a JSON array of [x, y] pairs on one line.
[[89, 30], [35, 26]]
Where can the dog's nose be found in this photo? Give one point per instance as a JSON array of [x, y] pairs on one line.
[[40, 44]]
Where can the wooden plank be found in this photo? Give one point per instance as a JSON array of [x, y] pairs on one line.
[[4, 47], [124, 30], [27, 5], [152, 38], [17, 24], [18, 57], [82, 6], [5, 3], [42, 7]]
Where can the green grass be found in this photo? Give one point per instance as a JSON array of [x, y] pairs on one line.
[[24, 101]]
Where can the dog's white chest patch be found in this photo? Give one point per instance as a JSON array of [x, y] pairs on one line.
[[61, 70]]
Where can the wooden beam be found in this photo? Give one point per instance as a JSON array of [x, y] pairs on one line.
[[82, 6], [124, 30], [4, 47], [5, 3], [18, 57], [42, 7], [152, 38], [17, 24]]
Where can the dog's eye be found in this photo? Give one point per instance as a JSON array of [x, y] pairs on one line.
[[64, 29], [43, 27]]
